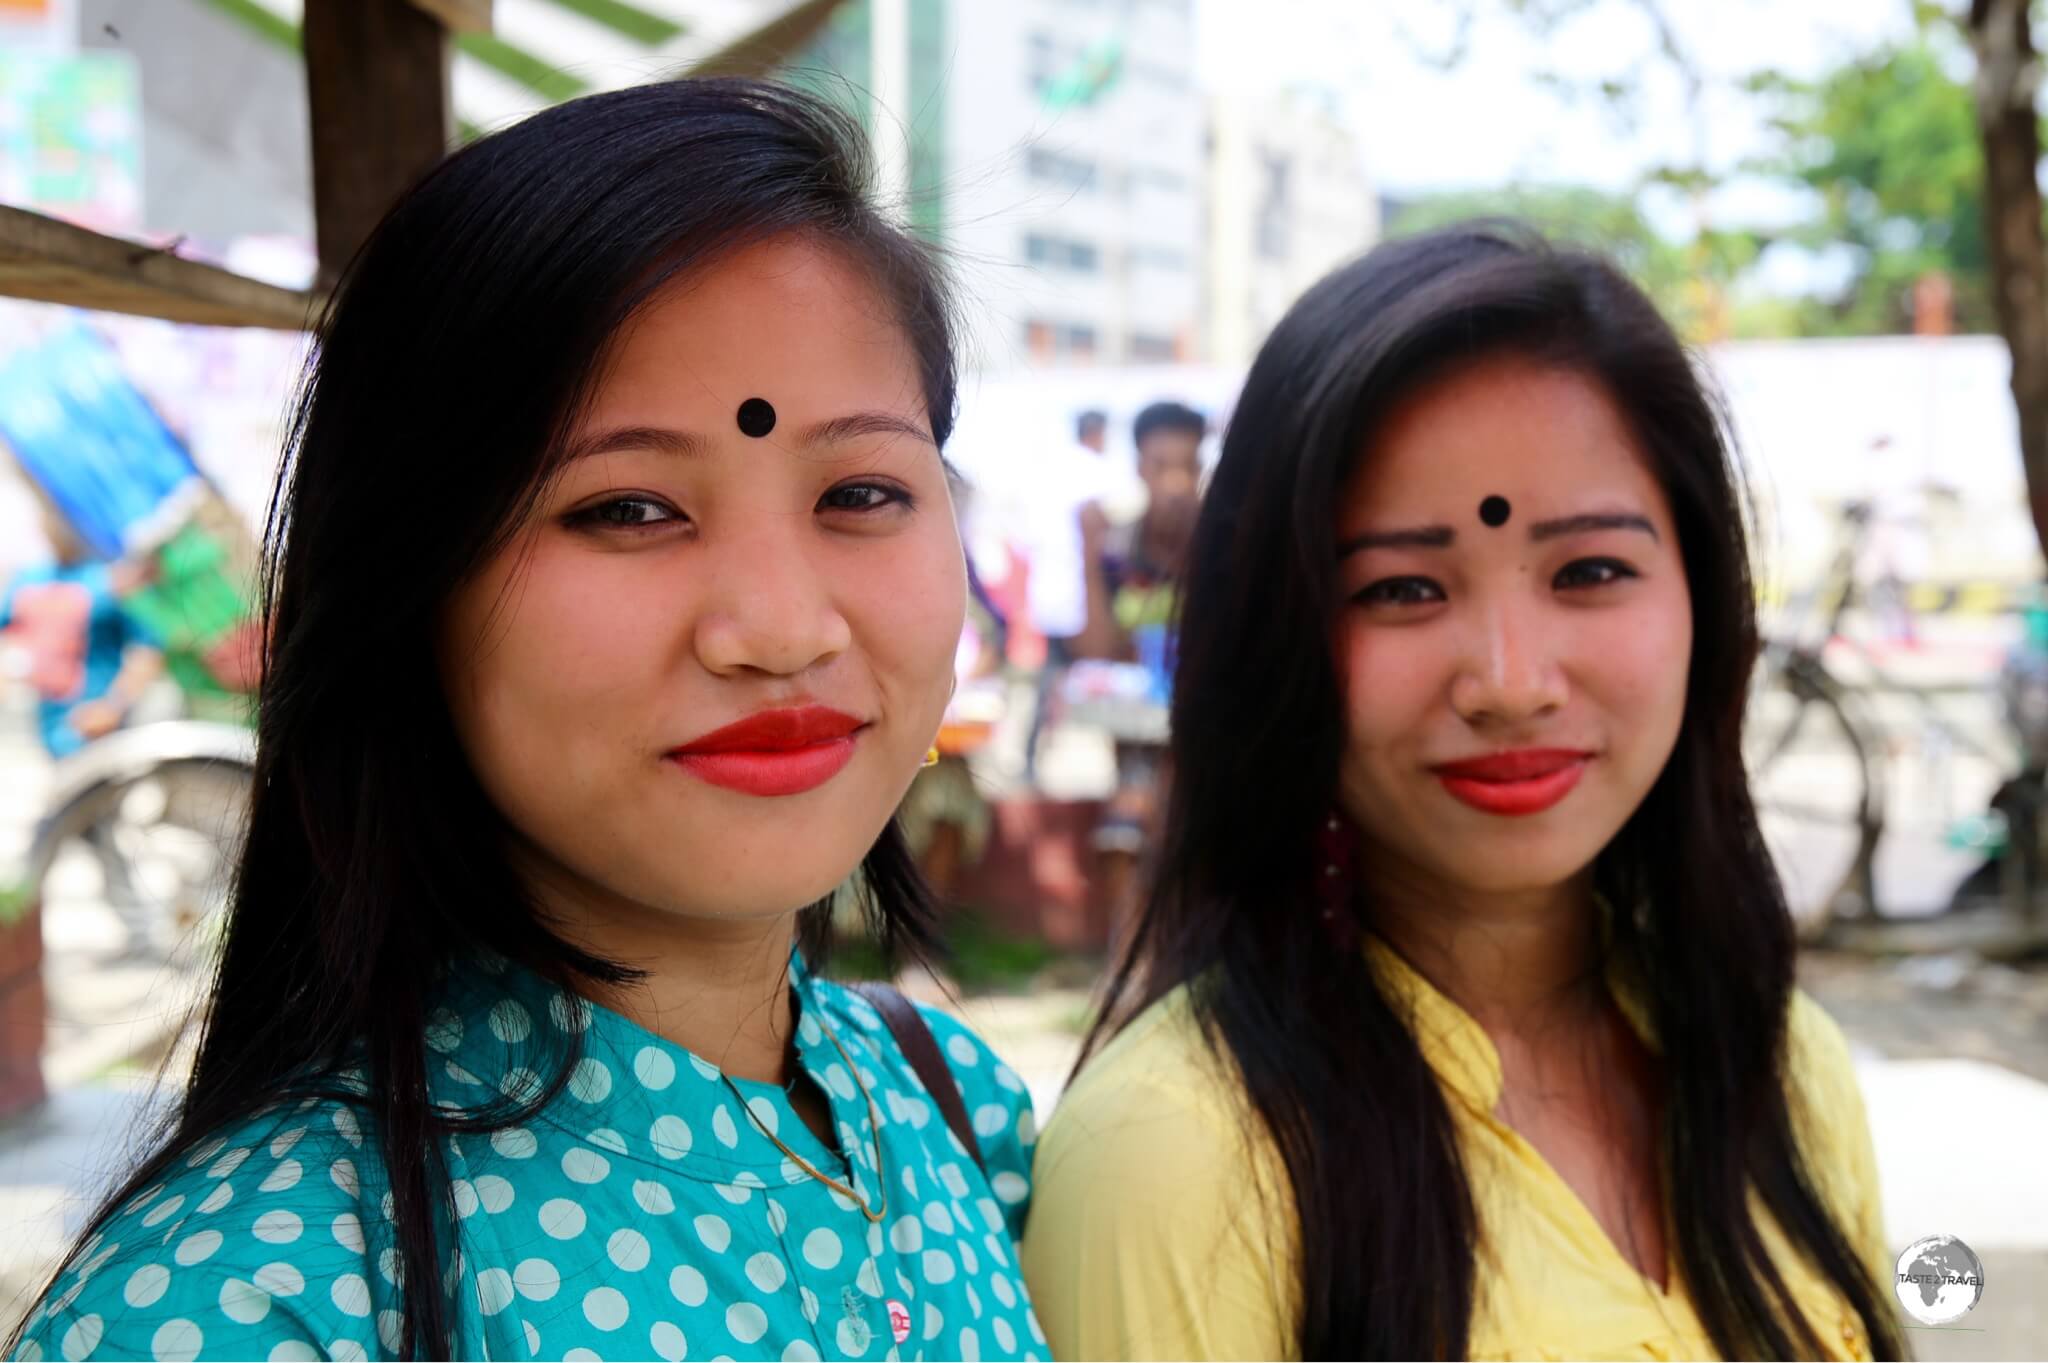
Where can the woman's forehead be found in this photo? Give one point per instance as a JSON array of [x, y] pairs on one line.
[[1509, 427], [786, 322]]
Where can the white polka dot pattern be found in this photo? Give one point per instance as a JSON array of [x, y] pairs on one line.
[[643, 1212]]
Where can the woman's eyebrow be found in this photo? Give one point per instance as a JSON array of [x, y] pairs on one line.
[[1442, 536], [1597, 520], [862, 423], [1419, 537], [661, 439], [668, 440]]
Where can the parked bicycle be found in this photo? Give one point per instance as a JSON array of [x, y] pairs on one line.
[[150, 577], [161, 807], [1831, 726]]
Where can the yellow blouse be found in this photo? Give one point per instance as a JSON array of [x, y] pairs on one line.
[[1162, 1223]]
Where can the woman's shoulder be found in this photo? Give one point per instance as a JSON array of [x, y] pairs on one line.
[[1161, 1067], [996, 1099], [1155, 1176], [263, 1235], [1832, 1125], [1157, 1105], [978, 1072], [1819, 1068], [1820, 1081]]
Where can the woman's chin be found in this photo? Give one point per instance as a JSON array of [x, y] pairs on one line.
[[1521, 870], [757, 900], [670, 885]]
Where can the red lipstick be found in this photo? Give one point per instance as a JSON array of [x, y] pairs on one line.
[[1525, 781], [774, 752]]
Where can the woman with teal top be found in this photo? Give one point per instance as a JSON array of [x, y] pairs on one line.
[[611, 601]]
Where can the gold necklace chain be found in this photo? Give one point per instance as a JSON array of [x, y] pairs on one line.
[[874, 1214]]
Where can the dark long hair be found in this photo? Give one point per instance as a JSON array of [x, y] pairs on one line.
[[447, 372], [1387, 1222]]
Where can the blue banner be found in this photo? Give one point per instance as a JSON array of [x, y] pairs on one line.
[[90, 441]]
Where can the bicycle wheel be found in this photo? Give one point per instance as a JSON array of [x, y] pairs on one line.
[[1818, 792], [165, 842]]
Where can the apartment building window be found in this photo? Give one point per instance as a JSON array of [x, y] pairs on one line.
[[1048, 341], [1153, 348], [1062, 253], [1174, 78], [1048, 57], [1057, 168], [1160, 258], [1159, 178], [1275, 210]]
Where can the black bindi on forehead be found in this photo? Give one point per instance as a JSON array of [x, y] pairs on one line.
[[756, 417], [1495, 511]]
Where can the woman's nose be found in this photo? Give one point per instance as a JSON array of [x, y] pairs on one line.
[[1508, 672], [768, 610]]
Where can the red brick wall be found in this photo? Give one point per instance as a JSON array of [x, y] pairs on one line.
[[1037, 878], [21, 1012]]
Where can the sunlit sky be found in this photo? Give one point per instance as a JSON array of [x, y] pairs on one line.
[[1489, 121]]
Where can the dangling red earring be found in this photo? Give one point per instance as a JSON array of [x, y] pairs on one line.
[[1337, 850]]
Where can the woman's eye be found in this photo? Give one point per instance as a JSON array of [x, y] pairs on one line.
[[1592, 572], [862, 497], [625, 512], [1401, 591]]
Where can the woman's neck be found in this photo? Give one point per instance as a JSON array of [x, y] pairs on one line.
[[1511, 960], [718, 987]]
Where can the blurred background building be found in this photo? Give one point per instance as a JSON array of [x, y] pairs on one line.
[[1097, 205], [1075, 195], [1288, 197]]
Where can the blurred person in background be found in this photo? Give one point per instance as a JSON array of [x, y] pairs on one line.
[[518, 1046], [1897, 547], [90, 659], [90, 662], [1133, 582], [1068, 481], [1461, 1021]]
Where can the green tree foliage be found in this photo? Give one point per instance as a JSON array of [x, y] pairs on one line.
[[1612, 223], [1688, 280], [1889, 145], [1886, 143]]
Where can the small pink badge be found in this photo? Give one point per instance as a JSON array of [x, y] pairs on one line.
[[899, 1321]]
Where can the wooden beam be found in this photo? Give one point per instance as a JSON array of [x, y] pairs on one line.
[[56, 262], [760, 52], [377, 76], [460, 16]]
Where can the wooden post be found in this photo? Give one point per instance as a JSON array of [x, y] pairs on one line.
[[2008, 77], [459, 16], [59, 262], [377, 76]]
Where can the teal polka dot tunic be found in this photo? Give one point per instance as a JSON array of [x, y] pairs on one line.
[[643, 1213]]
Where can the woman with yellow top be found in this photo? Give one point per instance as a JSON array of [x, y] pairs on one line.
[[1460, 1021]]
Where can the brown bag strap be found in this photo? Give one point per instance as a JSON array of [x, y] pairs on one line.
[[914, 1038]]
